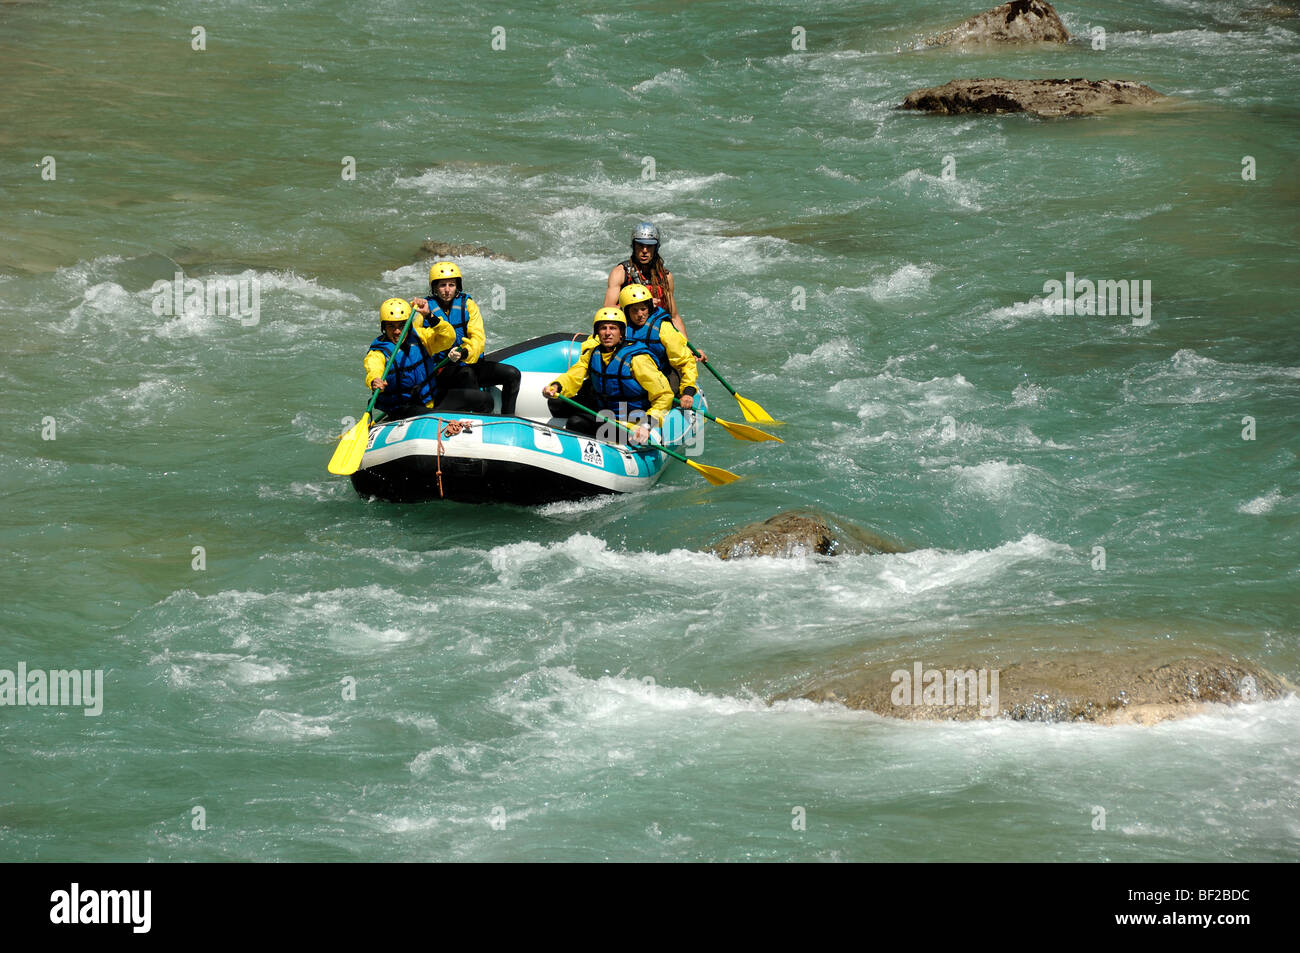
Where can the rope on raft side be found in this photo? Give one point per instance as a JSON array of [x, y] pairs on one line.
[[451, 429]]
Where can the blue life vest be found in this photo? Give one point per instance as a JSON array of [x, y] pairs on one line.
[[410, 379], [614, 384], [458, 319], [648, 334]]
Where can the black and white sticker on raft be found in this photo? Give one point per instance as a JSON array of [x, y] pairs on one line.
[[591, 453]]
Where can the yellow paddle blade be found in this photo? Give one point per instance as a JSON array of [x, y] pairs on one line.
[[745, 432], [351, 448], [715, 475], [753, 412]]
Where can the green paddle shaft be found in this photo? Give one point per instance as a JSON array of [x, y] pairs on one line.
[[709, 365], [697, 410]]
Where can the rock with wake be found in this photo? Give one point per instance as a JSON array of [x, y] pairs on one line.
[[1045, 98], [1020, 21], [1102, 689], [431, 249], [795, 533]]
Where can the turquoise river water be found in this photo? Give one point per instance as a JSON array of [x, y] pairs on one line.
[[577, 681]]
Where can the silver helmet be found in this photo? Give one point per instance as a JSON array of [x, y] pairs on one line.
[[645, 234]]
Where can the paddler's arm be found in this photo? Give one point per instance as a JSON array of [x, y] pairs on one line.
[[374, 363], [474, 340], [657, 390], [568, 383], [680, 357], [671, 306], [437, 338], [614, 285]]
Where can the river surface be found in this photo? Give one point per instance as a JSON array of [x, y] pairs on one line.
[[291, 672]]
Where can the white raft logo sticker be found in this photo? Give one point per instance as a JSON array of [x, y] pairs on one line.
[[59, 687], [544, 438], [591, 453], [103, 906], [951, 688]]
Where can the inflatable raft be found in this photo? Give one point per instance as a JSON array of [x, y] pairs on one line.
[[526, 459]]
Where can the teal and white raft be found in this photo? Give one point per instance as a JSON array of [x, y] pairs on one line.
[[526, 459]]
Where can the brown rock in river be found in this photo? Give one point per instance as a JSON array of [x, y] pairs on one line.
[[431, 249], [1105, 689], [1020, 21], [1040, 97], [801, 533]]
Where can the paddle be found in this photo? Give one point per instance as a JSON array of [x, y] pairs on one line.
[[752, 411], [352, 445], [715, 475], [739, 431]]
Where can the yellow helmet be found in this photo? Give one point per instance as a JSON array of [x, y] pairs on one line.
[[443, 269], [634, 294], [610, 314], [394, 309]]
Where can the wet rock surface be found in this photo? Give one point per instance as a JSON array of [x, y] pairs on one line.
[[795, 533], [1101, 689], [1021, 21], [1047, 98], [431, 249]]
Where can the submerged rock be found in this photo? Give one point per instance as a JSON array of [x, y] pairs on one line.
[[1273, 11], [1040, 97], [1101, 689], [801, 533], [1020, 21], [431, 249]]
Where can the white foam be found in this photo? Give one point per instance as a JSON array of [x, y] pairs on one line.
[[591, 504], [905, 282], [1190, 378], [674, 80], [272, 725], [148, 402], [83, 272], [450, 179], [960, 191], [1029, 394], [1015, 313], [938, 393], [295, 284], [836, 174], [996, 479], [924, 570], [320, 492], [103, 298], [1200, 41], [837, 352], [218, 673], [1187, 363], [1262, 504]]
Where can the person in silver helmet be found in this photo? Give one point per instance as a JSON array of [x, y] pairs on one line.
[[645, 267]]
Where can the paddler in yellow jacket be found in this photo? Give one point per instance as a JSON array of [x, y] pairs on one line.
[[624, 377], [653, 327], [447, 299], [412, 385]]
